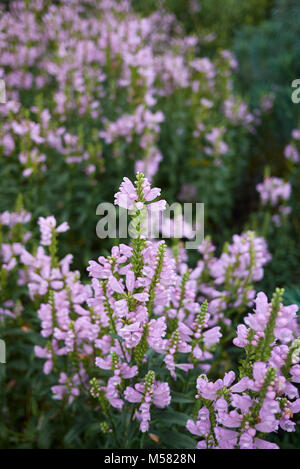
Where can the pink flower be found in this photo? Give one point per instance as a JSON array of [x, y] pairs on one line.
[[161, 394], [47, 226], [208, 389], [115, 285], [262, 444], [242, 336], [132, 334], [127, 195], [212, 336], [295, 373], [131, 395], [202, 426]]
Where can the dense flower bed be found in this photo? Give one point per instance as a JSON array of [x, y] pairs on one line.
[[129, 344], [145, 318]]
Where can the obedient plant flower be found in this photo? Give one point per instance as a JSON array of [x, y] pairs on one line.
[[143, 306], [92, 89], [291, 151], [49, 229], [13, 237], [273, 190], [145, 310], [274, 194], [228, 281], [140, 304], [128, 196], [151, 392], [141, 56], [240, 413]]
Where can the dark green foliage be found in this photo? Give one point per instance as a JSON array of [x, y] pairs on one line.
[[268, 55], [203, 17]]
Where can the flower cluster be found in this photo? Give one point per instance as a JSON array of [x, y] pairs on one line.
[[274, 192], [95, 90], [228, 281], [78, 55], [137, 303], [239, 412], [291, 151], [145, 305], [13, 239], [147, 320]]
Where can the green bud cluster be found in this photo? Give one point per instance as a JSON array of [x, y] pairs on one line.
[[156, 276], [269, 331], [141, 348], [104, 428]]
